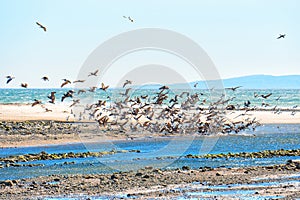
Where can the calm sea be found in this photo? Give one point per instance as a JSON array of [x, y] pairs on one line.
[[286, 98]]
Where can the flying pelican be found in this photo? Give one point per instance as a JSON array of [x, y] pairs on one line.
[[126, 92], [92, 89], [81, 91], [266, 96], [68, 94], [94, 73], [75, 101], [45, 78], [103, 87], [127, 82], [36, 102], [233, 88], [52, 97], [78, 81], [129, 18], [247, 103], [164, 87], [281, 36], [24, 85], [41, 26], [9, 79], [65, 82]]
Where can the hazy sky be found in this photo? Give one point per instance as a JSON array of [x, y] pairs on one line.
[[239, 36]]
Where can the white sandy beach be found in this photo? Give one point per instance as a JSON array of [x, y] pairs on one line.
[[23, 112]]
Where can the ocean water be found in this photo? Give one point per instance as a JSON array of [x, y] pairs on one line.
[[284, 98]]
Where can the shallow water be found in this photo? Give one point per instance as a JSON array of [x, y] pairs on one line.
[[160, 153]]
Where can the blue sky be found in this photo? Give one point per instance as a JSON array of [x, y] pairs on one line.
[[239, 36]]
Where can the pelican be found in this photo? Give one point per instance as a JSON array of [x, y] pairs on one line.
[[94, 73], [9, 79], [281, 36], [36, 102], [24, 85], [45, 78], [129, 18], [92, 89], [81, 91], [65, 82], [41, 26], [52, 97], [127, 82], [78, 81], [68, 94], [103, 87], [266, 96], [233, 88], [75, 101], [126, 92]]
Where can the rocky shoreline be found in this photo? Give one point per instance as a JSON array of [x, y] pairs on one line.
[[149, 183]]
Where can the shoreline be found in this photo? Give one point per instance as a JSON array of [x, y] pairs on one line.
[[67, 132], [74, 139]]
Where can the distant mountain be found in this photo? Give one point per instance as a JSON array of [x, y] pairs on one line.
[[264, 82], [247, 82]]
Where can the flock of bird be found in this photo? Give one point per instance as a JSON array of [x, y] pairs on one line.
[[45, 28], [160, 112]]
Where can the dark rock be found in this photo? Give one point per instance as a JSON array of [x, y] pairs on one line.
[[7, 183], [185, 168], [219, 174], [138, 174], [114, 177], [146, 176]]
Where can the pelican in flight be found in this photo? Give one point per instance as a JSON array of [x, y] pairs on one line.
[[45, 78], [266, 96], [66, 81], [78, 81], [41, 26], [94, 73], [127, 82], [281, 36], [24, 85], [9, 79], [103, 87], [36, 102], [233, 88], [52, 97], [129, 18]]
